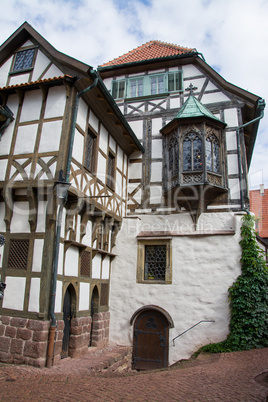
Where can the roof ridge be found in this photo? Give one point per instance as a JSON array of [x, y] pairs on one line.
[[133, 55]]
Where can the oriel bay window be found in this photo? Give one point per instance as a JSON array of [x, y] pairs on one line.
[[194, 168]]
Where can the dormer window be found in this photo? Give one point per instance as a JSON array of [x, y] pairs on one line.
[[23, 60]]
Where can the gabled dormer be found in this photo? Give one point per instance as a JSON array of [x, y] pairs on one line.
[[194, 167]]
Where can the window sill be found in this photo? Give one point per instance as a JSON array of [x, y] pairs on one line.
[[18, 72]]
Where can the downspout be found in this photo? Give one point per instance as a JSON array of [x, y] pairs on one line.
[[64, 180], [261, 106]]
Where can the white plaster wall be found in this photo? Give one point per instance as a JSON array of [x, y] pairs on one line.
[[96, 267], [101, 172], [61, 258], [134, 170], [2, 215], [137, 127], [190, 71], [82, 114], [105, 274], [118, 184], [41, 217], [4, 70], [156, 148], [231, 140], [103, 140], [78, 146], [175, 102], [157, 124], [14, 293], [19, 222], [50, 137], [34, 295], [71, 261], [6, 138], [93, 121], [31, 106], [52, 72], [214, 97], [155, 194], [41, 63], [58, 299], [19, 79], [234, 187], [56, 100], [25, 141], [84, 296], [156, 171], [119, 158], [202, 271], [232, 164], [230, 117], [112, 144], [37, 255], [3, 167], [88, 236]]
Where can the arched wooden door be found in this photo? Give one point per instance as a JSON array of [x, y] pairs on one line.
[[150, 341], [67, 316]]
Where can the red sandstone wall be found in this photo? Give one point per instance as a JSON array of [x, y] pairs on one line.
[[259, 206]]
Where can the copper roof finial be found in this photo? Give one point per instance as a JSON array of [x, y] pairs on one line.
[[191, 88]]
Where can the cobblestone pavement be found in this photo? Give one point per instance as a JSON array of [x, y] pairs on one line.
[[225, 377]]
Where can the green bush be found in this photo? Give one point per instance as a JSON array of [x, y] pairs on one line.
[[248, 298]]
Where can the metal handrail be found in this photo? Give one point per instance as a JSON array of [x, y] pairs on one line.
[[173, 340]]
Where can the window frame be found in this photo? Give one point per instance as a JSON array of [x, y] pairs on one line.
[[28, 68], [92, 166], [201, 153], [142, 243], [110, 176], [177, 76]]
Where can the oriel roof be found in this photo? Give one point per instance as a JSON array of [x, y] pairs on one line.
[[154, 49]]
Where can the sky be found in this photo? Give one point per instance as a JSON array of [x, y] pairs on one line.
[[232, 35]]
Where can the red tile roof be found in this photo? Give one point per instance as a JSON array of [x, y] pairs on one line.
[[44, 81], [154, 49]]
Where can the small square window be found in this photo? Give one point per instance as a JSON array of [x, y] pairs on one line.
[[24, 60], [18, 254], [154, 261]]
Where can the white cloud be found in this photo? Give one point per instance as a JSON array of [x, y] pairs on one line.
[[232, 36]]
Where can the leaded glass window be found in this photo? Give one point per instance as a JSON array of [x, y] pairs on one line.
[[173, 156], [90, 154], [24, 60], [155, 262], [118, 89], [212, 154], [111, 171], [192, 152]]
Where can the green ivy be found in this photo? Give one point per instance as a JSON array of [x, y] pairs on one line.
[[248, 298]]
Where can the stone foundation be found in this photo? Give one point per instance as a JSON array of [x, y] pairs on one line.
[[23, 341], [100, 329]]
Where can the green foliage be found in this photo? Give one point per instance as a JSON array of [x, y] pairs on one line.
[[248, 298]]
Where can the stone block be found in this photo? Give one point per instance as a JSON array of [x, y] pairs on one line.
[[86, 329], [76, 330], [60, 325], [98, 325], [5, 319], [40, 362], [40, 336], [10, 332], [18, 322], [16, 346], [6, 357], [2, 329], [58, 347], [97, 317], [35, 349], [76, 342], [5, 344], [24, 333], [74, 353], [36, 325], [60, 335], [18, 359]]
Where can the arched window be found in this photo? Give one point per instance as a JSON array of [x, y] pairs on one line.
[[173, 156], [192, 152], [212, 154]]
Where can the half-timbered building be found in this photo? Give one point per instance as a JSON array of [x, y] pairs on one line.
[[59, 128], [120, 201], [178, 250]]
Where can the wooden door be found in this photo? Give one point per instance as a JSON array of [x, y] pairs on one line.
[[150, 341], [67, 315]]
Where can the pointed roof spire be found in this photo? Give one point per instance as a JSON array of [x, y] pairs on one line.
[[193, 108]]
